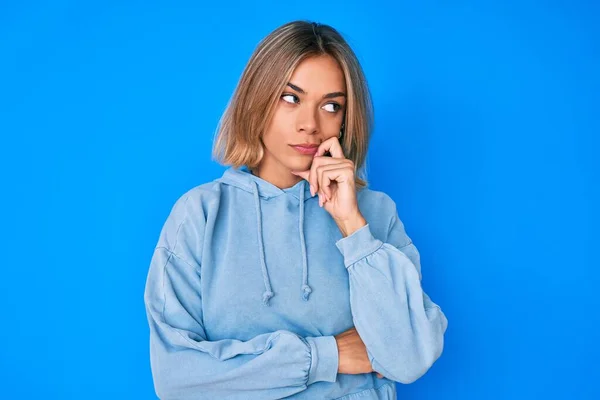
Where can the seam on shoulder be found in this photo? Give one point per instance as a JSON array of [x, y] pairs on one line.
[[167, 263], [164, 272], [171, 252]]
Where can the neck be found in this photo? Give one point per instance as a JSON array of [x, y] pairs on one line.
[[276, 174]]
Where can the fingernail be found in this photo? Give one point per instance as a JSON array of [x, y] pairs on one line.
[[312, 191]]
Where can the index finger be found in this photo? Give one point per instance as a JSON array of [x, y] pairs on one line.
[[333, 146]]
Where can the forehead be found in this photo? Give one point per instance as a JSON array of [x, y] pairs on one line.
[[319, 75]]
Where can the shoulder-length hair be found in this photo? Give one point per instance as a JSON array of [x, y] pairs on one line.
[[250, 109]]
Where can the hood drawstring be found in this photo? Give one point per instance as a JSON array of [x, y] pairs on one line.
[[305, 288], [268, 293]]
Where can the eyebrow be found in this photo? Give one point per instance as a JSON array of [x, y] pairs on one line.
[[327, 96]]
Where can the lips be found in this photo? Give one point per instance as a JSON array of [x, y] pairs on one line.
[[307, 150]]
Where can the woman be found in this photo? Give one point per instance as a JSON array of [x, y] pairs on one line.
[[287, 277]]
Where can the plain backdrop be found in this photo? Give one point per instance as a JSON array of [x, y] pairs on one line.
[[487, 125]]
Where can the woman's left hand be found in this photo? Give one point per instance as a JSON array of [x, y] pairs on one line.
[[333, 178]]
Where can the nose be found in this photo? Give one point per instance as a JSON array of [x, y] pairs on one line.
[[307, 121]]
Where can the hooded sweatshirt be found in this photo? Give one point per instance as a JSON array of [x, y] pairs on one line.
[[249, 284]]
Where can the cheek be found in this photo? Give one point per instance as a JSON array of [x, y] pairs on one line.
[[281, 125], [331, 125]]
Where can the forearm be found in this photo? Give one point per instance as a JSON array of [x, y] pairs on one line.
[[350, 225]]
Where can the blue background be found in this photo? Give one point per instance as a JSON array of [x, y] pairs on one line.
[[487, 123]]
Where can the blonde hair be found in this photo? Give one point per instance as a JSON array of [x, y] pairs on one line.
[[238, 137]]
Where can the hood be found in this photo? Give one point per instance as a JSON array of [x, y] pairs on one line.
[[243, 178]]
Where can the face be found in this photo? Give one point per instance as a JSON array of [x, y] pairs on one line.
[[310, 110]]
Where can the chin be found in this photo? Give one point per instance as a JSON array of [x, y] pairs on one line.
[[299, 164]]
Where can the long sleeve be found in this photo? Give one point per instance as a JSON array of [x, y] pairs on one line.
[[403, 330], [185, 365]]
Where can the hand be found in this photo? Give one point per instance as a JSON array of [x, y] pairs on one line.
[[352, 353], [333, 178]]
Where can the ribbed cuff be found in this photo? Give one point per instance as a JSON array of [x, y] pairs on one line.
[[324, 359], [358, 245]]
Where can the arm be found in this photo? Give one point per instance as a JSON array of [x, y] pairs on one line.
[[187, 366], [403, 330]]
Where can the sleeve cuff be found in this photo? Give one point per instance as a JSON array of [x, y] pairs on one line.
[[324, 359], [358, 245]]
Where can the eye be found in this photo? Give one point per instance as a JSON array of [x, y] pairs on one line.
[[334, 107], [289, 98]]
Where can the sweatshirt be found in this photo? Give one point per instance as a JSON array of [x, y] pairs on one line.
[[249, 284]]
